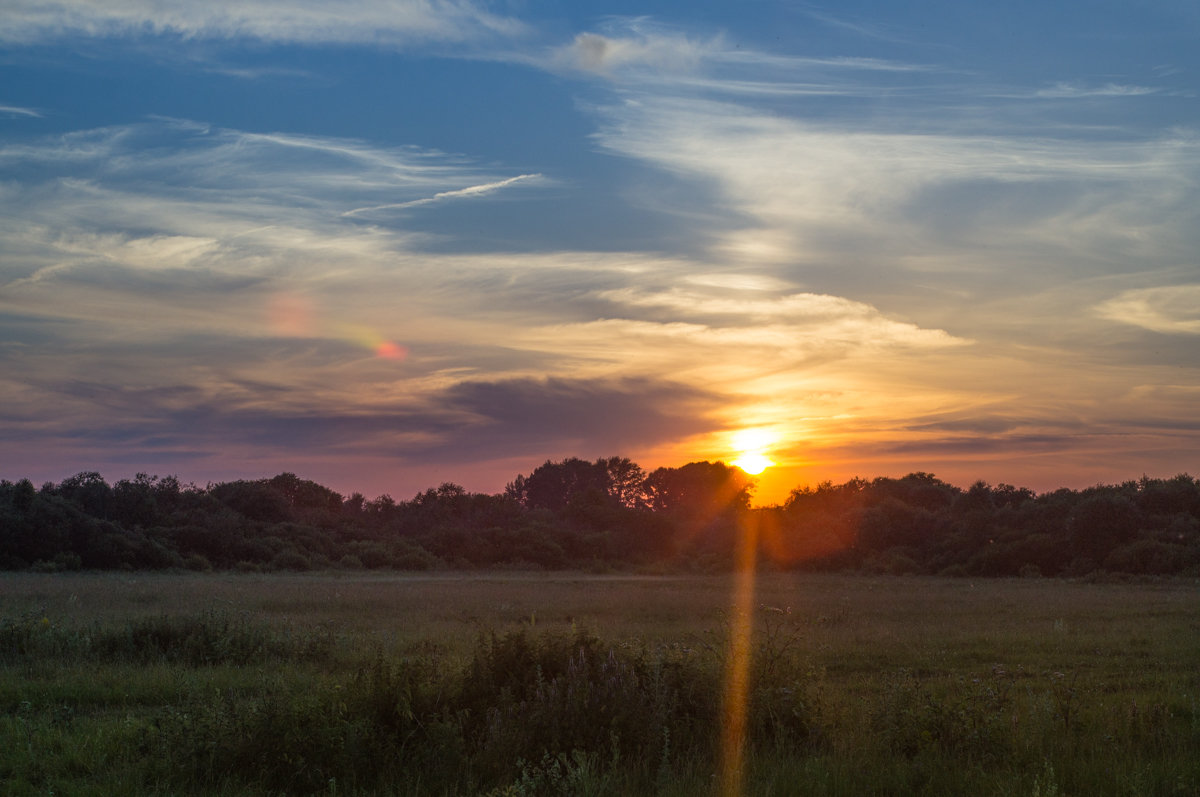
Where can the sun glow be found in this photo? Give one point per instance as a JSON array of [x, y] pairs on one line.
[[753, 462], [752, 445]]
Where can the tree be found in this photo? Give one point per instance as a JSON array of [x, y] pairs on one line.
[[255, 500], [626, 481], [698, 489], [305, 494], [134, 502], [552, 484], [705, 500], [88, 491], [23, 495], [1102, 522]]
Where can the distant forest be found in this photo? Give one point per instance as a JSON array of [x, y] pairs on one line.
[[607, 514]]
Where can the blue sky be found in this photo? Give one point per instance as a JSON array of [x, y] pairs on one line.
[[390, 244]]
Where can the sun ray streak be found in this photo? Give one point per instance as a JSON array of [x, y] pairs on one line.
[[737, 676]]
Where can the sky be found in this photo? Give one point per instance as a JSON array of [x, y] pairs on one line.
[[385, 245]]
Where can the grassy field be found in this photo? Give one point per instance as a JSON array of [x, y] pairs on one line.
[[593, 684]]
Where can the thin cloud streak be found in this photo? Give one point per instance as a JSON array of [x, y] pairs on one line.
[[358, 21], [458, 193], [15, 110], [1075, 90], [635, 52]]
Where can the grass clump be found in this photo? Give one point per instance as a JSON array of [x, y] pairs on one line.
[[523, 713]]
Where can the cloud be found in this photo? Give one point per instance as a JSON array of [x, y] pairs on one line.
[[255, 294], [797, 192], [278, 21], [795, 325], [177, 287], [639, 52], [580, 415], [869, 30], [593, 52], [987, 446], [458, 193], [201, 197], [1170, 310], [14, 110], [1066, 90], [468, 420]]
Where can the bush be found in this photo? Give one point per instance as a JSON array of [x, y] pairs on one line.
[[198, 563], [290, 560]]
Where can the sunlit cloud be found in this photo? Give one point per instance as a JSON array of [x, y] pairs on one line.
[[635, 43], [639, 49], [1171, 310], [832, 314], [815, 192]]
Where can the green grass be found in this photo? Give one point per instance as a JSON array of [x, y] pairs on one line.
[[573, 684]]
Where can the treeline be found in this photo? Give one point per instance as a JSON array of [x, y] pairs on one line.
[[604, 514]]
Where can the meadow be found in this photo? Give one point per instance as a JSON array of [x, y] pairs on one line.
[[512, 683]]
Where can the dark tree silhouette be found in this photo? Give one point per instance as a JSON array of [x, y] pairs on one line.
[[576, 513]]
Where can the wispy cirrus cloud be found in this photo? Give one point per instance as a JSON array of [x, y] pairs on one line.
[[859, 27], [642, 52], [16, 110], [1066, 90], [818, 190], [358, 21], [1170, 310], [608, 54], [198, 192]]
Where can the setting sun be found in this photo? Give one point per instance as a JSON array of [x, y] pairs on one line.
[[753, 463], [751, 445]]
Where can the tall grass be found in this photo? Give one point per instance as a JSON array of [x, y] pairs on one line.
[[1004, 696]]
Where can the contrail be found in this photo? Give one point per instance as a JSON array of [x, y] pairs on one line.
[[469, 191]]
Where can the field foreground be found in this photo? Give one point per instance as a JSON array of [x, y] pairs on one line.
[[577, 684]]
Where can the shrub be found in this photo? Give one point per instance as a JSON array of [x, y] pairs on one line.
[[290, 560], [198, 563]]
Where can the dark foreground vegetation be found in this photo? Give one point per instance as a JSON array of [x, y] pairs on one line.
[[857, 686], [605, 514]]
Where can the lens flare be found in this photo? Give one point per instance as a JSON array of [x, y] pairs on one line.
[[737, 673], [294, 315], [390, 350], [290, 314]]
